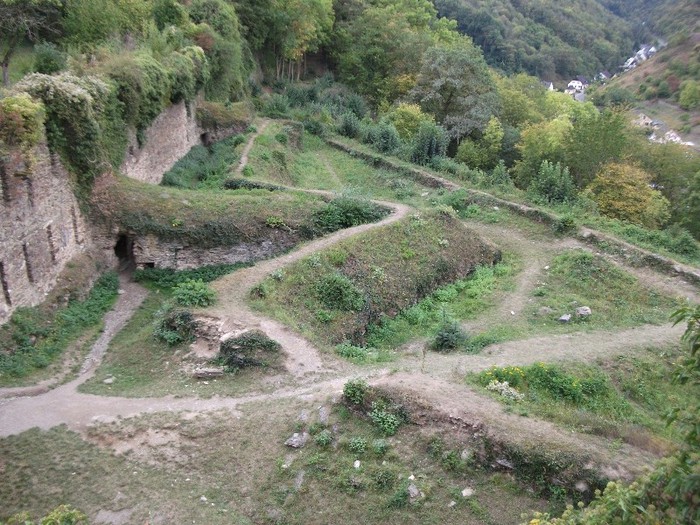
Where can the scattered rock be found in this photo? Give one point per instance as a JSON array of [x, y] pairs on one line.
[[512, 312], [546, 267], [356, 464], [120, 291], [413, 491], [452, 503], [505, 463], [583, 311], [425, 194], [565, 318], [109, 380], [207, 373], [582, 486], [546, 310], [468, 492], [495, 208], [411, 477], [304, 416], [299, 480], [203, 498], [323, 414], [297, 440]]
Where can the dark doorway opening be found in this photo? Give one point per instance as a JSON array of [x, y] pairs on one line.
[[124, 250]]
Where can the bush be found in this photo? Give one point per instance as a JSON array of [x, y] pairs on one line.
[[449, 337], [345, 212], [553, 184], [277, 106], [337, 292], [349, 125], [250, 349], [357, 445], [386, 422], [565, 224], [217, 116], [48, 58], [193, 292], [430, 141], [355, 391], [381, 136], [169, 13], [324, 438], [174, 326], [21, 121]]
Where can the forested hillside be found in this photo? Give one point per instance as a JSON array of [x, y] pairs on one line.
[[549, 39]]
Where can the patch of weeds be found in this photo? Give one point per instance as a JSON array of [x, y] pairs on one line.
[[174, 325], [345, 212], [251, 349], [324, 438], [399, 499], [355, 391], [385, 420], [449, 337], [193, 292], [357, 445], [34, 337], [384, 478], [337, 292], [380, 447], [360, 354], [167, 278], [248, 171]]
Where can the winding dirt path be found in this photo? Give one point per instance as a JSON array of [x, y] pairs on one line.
[[434, 377]]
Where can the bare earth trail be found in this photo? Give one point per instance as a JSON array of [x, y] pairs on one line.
[[438, 379]]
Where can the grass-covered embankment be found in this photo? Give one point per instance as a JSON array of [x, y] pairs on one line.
[[209, 218], [35, 337], [337, 294]]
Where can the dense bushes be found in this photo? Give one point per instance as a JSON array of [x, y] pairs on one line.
[[345, 212], [21, 121], [193, 292], [251, 349], [83, 123]]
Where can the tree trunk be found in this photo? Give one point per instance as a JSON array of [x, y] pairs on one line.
[[5, 74]]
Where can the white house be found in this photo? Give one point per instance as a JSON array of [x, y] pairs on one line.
[[576, 85]]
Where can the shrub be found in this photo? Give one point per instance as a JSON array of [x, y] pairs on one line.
[[277, 106], [449, 337], [380, 447], [194, 292], [381, 136], [169, 13], [349, 125], [314, 126], [21, 121], [174, 326], [48, 58], [337, 292], [565, 224], [357, 445], [553, 184], [385, 421], [407, 119], [217, 116], [355, 391], [324, 438], [83, 122], [430, 141], [345, 212], [250, 349]]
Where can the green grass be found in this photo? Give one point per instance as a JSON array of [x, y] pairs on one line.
[[206, 218], [464, 299], [22, 62], [143, 366], [166, 278], [318, 166], [617, 299], [376, 492], [625, 398], [336, 294], [204, 167], [35, 337]]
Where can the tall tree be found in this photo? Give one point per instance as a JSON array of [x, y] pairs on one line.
[[24, 19], [456, 86]]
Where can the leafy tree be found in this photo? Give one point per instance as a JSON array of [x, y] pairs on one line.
[[624, 192], [430, 141], [540, 142], [553, 184], [24, 19], [455, 85], [93, 21], [407, 118], [595, 140], [689, 97], [522, 99]]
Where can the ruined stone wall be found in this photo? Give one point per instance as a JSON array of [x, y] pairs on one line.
[[41, 228], [170, 137], [149, 251]]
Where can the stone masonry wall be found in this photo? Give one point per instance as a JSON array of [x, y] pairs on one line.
[[170, 137], [41, 228]]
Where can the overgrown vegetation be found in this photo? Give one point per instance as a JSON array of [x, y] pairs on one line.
[[338, 294], [168, 278], [34, 337], [250, 349]]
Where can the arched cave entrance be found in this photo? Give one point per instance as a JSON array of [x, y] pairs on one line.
[[124, 250]]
